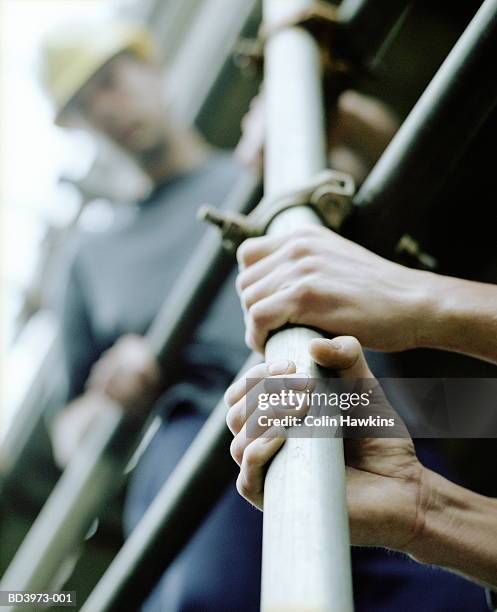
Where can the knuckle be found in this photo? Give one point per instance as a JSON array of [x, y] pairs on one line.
[[246, 249], [251, 458], [247, 298], [303, 290], [250, 340], [236, 450], [234, 420], [257, 314], [228, 396], [239, 283], [307, 265], [298, 248], [243, 486]]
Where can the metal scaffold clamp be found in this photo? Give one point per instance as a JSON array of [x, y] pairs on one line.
[[329, 194], [320, 19]]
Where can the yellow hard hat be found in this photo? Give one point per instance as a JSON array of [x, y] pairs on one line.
[[72, 54]]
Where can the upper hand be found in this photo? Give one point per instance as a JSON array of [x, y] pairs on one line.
[[315, 277]]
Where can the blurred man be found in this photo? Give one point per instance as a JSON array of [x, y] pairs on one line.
[[105, 79]]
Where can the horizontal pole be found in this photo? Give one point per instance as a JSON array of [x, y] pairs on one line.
[[432, 139]]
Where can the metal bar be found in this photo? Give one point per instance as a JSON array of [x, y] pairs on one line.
[[28, 413], [203, 474], [205, 50], [306, 552], [92, 478], [169, 21], [432, 139]]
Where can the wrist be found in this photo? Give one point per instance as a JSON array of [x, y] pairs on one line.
[[457, 530], [445, 523], [438, 316], [430, 515], [456, 315]]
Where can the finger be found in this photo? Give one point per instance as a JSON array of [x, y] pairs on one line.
[[99, 374], [250, 482], [239, 413], [265, 421], [255, 428], [343, 354], [129, 355], [138, 356], [261, 269], [267, 315], [122, 391], [254, 249], [240, 387], [133, 378], [239, 416], [289, 249], [277, 277]]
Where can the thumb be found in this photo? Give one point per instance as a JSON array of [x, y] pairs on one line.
[[342, 354]]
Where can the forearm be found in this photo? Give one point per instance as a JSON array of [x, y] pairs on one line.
[[462, 317], [458, 532]]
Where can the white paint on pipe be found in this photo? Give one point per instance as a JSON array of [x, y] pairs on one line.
[[306, 551]]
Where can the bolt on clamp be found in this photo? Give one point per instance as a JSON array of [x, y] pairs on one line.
[[329, 194]]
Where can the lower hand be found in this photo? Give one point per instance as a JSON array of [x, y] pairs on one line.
[[385, 481]]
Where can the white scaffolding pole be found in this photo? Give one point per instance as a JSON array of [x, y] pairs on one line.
[[306, 552]]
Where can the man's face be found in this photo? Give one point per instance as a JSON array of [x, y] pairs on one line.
[[124, 101]]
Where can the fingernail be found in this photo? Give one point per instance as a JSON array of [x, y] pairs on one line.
[[297, 384], [334, 343], [278, 367]]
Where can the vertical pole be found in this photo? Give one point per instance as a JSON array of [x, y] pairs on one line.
[[306, 552]]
